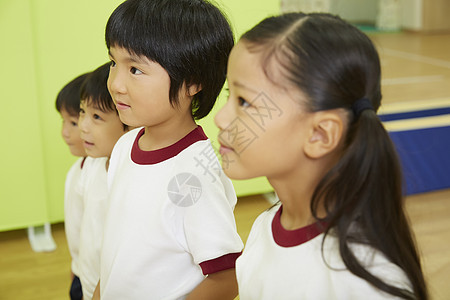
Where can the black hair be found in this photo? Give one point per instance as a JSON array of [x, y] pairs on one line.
[[190, 39], [94, 90], [68, 98], [334, 64]]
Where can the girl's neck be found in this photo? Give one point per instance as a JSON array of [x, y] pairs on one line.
[[296, 206], [166, 134], [295, 193]]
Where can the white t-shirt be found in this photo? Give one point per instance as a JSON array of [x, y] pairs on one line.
[[283, 264], [94, 190], [169, 221], [73, 211]]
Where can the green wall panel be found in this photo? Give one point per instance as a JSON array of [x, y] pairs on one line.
[[69, 41], [22, 184], [45, 44]]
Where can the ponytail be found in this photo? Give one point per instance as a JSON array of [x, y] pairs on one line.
[[364, 191]]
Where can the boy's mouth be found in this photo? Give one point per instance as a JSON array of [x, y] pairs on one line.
[[88, 144]]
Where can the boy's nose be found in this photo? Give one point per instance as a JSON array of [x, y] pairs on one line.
[[65, 131], [82, 124], [115, 83]]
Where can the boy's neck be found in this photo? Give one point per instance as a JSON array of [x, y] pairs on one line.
[[164, 135]]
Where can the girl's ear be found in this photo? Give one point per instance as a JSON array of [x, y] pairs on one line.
[[325, 135]]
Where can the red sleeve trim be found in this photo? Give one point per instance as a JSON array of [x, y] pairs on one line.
[[225, 262]]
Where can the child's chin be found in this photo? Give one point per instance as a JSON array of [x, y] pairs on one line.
[[79, 153], [235, 174]]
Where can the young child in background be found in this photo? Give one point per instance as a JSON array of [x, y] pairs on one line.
[[68, 105], [170, 231], [308, 87], [100, 128]]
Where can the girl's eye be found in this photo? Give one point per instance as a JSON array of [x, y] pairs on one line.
[[243, 102], [135, 71], [74, 124], [97, 117]]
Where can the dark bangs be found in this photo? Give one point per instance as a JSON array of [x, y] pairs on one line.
[[95, 91], [68, 98]]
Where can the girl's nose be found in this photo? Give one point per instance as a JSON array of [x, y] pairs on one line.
[[223, 116]]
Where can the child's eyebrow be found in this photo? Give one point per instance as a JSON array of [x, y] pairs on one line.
[[137, 59], [240, 85], [131, 58]]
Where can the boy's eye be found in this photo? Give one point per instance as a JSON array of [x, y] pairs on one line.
[[97, 117], [135, 71], [74, 124], [243, 102]]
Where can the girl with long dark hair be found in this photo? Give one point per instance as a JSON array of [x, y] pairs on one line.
[[304, 91]]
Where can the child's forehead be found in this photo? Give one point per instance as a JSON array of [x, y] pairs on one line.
[[127, 54], [65, 113], [96, 104], [90, 102]]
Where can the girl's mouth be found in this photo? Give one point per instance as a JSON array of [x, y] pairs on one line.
[[122, 106], [224, 149]]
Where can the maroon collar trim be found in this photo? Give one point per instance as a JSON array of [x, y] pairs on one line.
[[82, 162], [291, 238], [142, 157]]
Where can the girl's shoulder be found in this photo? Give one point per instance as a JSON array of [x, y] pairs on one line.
[[266, 217], [263, 224]]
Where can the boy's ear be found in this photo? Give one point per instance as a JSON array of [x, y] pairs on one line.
[[326, 134], [193, 89]]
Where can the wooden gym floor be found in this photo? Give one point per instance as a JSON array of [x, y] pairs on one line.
[[416, 68]]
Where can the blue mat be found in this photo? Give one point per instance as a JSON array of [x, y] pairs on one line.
[[424, 152], [425, 158]]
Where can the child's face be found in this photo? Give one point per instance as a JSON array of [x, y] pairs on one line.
[[140, 90], [71, 134], [262, 128], [99, 130]]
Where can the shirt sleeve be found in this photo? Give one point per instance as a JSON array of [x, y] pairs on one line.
[[210, 227]]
